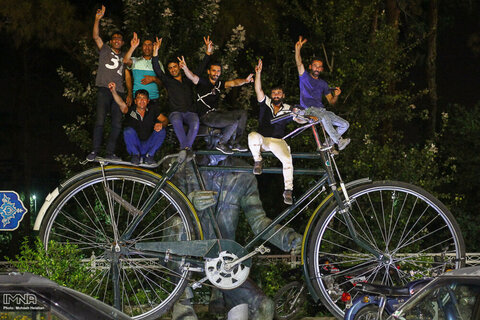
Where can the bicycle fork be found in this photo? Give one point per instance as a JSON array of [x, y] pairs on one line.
[[138, 216], [327, 159]]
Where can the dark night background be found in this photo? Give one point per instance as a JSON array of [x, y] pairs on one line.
[[33, 110]]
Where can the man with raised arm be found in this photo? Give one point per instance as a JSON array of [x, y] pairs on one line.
[[180, 95], [110, 69], [139, 73], [269, 136], [312, 90], [144, 126], [232, 122]]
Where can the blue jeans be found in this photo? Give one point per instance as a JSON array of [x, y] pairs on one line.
[[177, 119], [329, 120], [135, 146], [106, 104]]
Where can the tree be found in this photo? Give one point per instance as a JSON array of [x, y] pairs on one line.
[[35, 29]]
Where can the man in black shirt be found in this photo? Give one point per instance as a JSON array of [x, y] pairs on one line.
[[232, 122], [269, 136], [144, 126], [180, 95]]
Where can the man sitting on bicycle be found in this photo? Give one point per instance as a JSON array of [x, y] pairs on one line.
[[232, 122], [312, 90], [144, 126], [269, 136]]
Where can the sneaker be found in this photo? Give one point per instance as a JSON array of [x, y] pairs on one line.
[[288, 197], [342, 143], [112, 157], [257, 167], [91, 156], [223, 148], [135, 159], [238, 147], [150, 160]]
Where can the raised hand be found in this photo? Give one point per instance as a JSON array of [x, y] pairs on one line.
[[337, 91], [181, 62], [156, 45], [100, 13], [249, 78], [258, 67], [209, 45], [135, 41], [112, 86], [300, 43]]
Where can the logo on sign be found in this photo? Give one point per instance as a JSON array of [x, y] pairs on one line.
[[12, 210]]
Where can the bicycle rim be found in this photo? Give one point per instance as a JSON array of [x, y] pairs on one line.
[[289, 301], [415, 233], [147, 286]]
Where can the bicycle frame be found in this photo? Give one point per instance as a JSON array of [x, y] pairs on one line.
[[207, 248]]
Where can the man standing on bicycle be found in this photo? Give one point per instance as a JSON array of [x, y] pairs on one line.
[[269, 136], [110, 68], [312, 90]]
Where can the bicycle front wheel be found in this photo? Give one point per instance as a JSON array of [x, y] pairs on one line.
[[414, 234], [94, 213]]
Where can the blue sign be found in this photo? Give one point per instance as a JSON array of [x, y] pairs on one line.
[[12, 210]]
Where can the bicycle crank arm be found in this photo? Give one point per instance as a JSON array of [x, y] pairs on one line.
[[261, 249]]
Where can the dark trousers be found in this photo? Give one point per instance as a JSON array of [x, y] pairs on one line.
[[135, 146], [231, 122], [177, 119], [106, 104]]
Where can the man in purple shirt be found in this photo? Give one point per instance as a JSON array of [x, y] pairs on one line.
[[312, 90]]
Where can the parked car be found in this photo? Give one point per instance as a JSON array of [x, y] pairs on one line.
[[453, 295], [28, 296]]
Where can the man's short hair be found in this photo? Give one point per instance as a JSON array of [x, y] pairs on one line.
[[277, 87], [172, 59], [315, 59], [142, 91], [116, 32], [214, 63]]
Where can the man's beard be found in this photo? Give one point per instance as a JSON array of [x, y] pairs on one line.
[[316, 74], [277, 101]]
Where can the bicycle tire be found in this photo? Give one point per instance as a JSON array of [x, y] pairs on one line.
[[286, 307], [148, 286], [415, 232], [369, 312]]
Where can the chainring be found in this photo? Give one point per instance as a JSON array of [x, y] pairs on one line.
[[222, 278]]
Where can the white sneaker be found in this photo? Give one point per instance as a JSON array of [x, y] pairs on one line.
[[342, 143]]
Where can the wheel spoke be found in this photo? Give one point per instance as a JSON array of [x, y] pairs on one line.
[[147, 286], [408, 227]]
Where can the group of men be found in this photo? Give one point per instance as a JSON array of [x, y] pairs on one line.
[[145, 126]]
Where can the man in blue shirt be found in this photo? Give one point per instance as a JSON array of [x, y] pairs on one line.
[[140, 74], [312, 90]]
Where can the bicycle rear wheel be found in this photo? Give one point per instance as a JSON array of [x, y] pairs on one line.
[[146, 286], [415, 233], [289, 301]]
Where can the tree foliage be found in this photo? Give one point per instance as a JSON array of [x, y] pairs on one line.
[[62, 263]]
